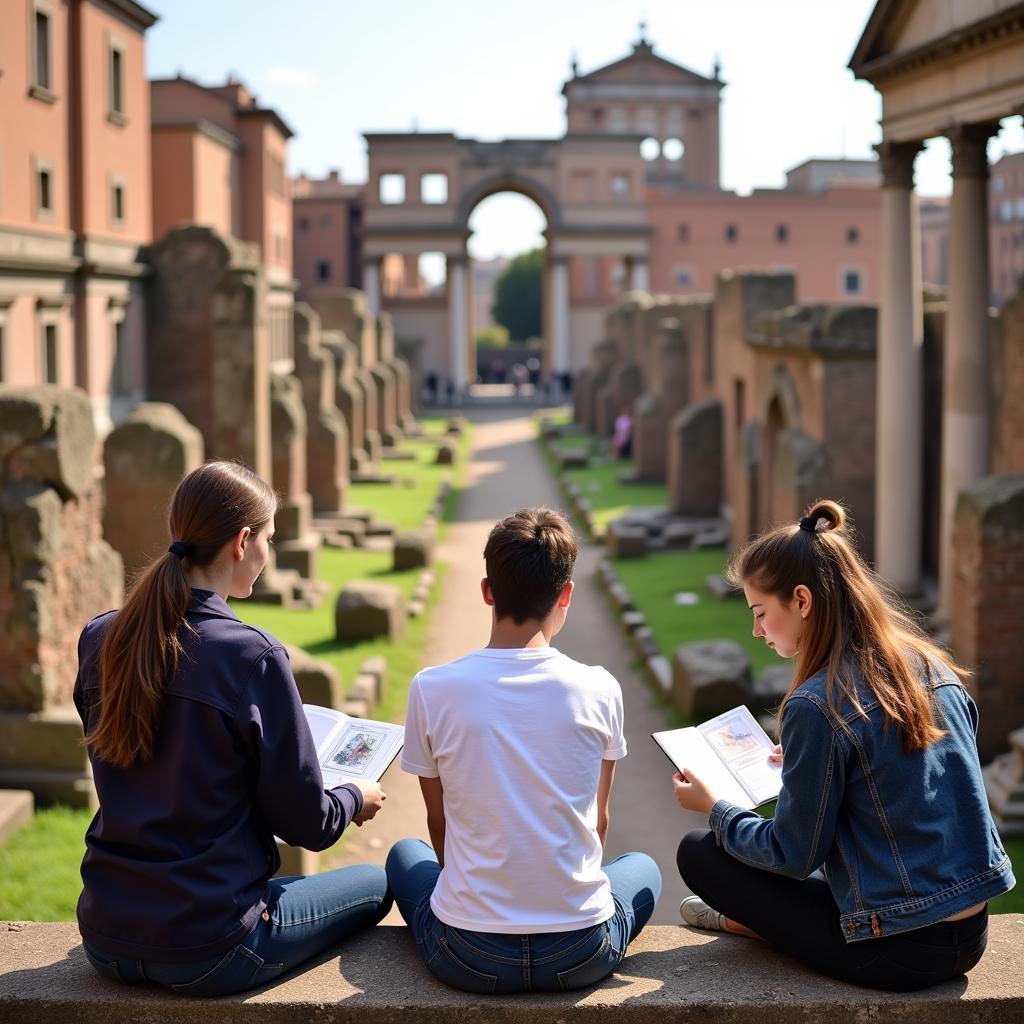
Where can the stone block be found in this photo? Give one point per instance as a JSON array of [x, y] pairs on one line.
[[770, 687], [695, 460], [573, 458], [377, 666], [50, 739], [414, 549], [16, 810], [659, 668], [621, 597], [446, 454], [47, 434], [294, 516], [317, 681], [301, 555], [365, 611], [710, 677], [720, 588], [626, 541], [633, 620], [355, 708], [364, 688], [645, 643]]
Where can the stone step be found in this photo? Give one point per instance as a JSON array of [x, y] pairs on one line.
[[49, 739], [670, 974], [76, 789], [16, 809]]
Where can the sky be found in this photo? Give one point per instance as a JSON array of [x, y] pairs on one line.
[[334, 69]]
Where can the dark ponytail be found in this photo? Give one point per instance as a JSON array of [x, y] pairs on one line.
[[142, 646]]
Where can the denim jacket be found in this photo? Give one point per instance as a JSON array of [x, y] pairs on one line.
[[904, 840]]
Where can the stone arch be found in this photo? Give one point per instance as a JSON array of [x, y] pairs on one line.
[[510, 181], [781, 413]]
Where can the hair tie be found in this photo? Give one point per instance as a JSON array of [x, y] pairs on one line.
[[809, 524], [178, 548]]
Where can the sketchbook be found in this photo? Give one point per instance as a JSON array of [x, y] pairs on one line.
[[730, 754], [352, 748]]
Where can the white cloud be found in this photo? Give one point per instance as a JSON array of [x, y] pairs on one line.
[[290, 77]]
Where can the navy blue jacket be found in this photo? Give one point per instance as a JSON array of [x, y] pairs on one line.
[[179, 854]]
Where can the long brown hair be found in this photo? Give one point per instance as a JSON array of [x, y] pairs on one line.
[[855, 621], [142, 646]]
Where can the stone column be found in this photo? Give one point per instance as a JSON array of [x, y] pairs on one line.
[[561, 357], [371, 283], [966, 388], [640, 280], [457, 322], [899, 463]]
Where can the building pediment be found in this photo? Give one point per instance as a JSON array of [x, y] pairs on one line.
[[642, 66]]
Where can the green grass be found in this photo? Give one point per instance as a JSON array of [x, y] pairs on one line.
[[609, 498]]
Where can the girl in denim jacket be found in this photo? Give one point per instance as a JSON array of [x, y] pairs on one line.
[[882, 855]]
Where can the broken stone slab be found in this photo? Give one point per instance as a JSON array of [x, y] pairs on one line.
[[377, 666], [365, 611], [355, 708], [317, 681], [573, 458], [720, 588], [633, 620], [660, 670], [626, 541], [621, 597], [446, 454], [414, 549], [716, 538], [645, 643], [364, 687], [709, 677]]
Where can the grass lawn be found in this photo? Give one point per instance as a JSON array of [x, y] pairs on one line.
[[610, 499], [39, 879], [652, 581]]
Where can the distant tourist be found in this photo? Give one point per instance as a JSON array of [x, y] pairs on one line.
[[515, 747], [881, 786], [202, 755], [622, 439], [431, 382]]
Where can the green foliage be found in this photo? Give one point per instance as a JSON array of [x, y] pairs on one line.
[[495, 336], [517, 296]]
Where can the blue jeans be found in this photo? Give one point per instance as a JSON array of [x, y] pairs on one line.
[[305, 916], [489, 962]]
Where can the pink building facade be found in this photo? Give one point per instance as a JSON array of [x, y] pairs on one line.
[[75, 198], [326, 229]]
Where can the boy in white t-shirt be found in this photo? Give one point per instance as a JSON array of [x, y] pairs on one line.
[[515, 747]]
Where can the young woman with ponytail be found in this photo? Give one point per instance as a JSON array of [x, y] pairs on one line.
[[881, 785], [201, 755]]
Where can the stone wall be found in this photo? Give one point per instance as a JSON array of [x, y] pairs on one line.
[[1008, 387]]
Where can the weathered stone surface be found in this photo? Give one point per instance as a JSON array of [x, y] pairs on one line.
[[368, 610], [145, 458], [1004, 785], [414, 549], [695, 460], [710, 677], [573, 458], [364, 688], [771, 686], [317, 681], [16, 809], [377, 666], [626, 541], [446, 454], [669, 974], [721, 588], [47, 434]]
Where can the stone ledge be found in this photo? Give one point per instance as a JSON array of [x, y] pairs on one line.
[[670, 974]]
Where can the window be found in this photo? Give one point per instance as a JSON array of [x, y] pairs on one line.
[[997, 183], [739, 401], [851, 282], [117, 202], [119, 363], [116, 83], [782, 233], [684, 275], [323, 270], [731, 233], [325, 220], [673, 149], [392, 188], [50, 354], [1006, 209], [683, 233], [620, 186], [434, 188], [42, 77], [304, 224], [852, 236], [44, 189]]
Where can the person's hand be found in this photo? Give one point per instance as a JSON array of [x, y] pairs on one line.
[[775, 757], [373, 800], [692, 794]]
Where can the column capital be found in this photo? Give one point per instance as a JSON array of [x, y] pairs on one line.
[[459, 259], [896, 160], [969, 143]]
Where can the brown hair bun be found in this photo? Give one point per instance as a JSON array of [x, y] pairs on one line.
[[833, 514]]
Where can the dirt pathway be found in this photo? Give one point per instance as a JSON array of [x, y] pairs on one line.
[[507, 471]]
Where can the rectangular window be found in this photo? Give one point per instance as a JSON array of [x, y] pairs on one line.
[[323, 270], [41, 72], [852, 236], [119, 366], [684, 275], [303, 223], [325, 220], [434, 188], [116, 81], [781, 233], [620, 186], [851, 282], [739, 398], [683, 234], [117, 202], [45, 189], [392, 188], [50, 354], [731, 233]]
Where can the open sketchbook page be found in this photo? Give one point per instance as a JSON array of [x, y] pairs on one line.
[[352, 748], [688, 750], [744, 747]]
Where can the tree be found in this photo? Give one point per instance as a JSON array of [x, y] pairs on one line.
[[517, 295]]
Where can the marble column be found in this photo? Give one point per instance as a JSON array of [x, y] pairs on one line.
[[457, 322], [371, 283], [898, 448], [966, 384], [560, 319], [640, 280]]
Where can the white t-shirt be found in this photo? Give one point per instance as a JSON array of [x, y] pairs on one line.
[[517, 738]]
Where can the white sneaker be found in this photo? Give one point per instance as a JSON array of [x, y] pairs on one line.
[[697, 914]]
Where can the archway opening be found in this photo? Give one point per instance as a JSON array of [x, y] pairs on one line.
[[508, 259]]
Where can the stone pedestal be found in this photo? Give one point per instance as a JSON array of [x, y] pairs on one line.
[[695, 460], [56, 573], [710, 677], [145, 458]]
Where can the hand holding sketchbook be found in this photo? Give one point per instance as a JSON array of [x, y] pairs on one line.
[[729, 754], [352, 748]]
